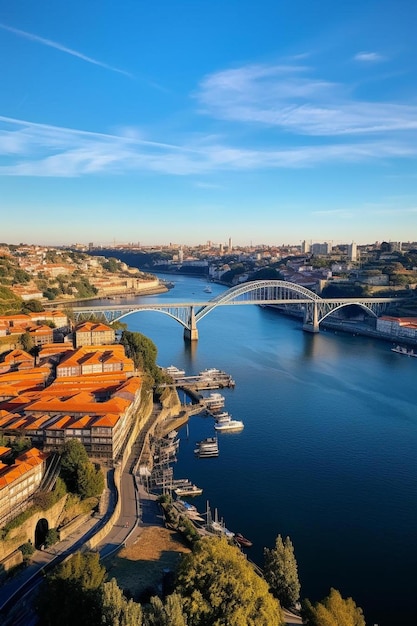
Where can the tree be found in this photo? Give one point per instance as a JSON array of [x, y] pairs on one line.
[[220, 587], [143, 352], [33, 306], [73, 456], [71, 593], [333, 611], [169, 613], [26, 342], [90, 480], [280, 572], [116, 610]]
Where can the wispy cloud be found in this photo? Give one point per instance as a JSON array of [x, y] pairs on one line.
[[369, 57], [289, 98], [30, 149], [58, 46]]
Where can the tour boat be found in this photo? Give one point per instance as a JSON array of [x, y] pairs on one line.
[[224, 422], [214, 402], [403, 350], [188, 490], [207, 448]]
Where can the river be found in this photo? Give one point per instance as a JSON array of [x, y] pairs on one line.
[[327, 455]]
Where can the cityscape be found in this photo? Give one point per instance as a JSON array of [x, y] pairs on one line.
[[208, 313]]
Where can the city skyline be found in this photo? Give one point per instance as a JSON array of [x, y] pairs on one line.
[[185, 121]]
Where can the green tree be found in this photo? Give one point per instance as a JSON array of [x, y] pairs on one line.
[[71, 593], [169, 613], [220, 587], [116, 610], [280, 570], [333, 611], [90, 480], [143, 352], [32, 306], [26, 342], [73, 457]]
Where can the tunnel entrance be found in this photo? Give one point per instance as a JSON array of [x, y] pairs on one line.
[[41, 530]]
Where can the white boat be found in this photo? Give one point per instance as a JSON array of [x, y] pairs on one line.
[[207, 448], [229, 425], [174, 372], [214, 401], [403, 350], [207, 289], [188, 490]]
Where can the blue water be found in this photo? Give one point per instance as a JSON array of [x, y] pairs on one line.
[[328, 453]]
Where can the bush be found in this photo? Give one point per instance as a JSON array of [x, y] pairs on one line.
[[52, 536], [27, 549]]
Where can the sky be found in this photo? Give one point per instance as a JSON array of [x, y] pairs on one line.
[[174, 121]]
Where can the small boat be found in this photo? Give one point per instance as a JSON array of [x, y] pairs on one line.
[[188, 491], [403, 350], [224, 421], [242, 541], [207, 289], [207, 448], [214, 401], [174, 372], [229, 425]]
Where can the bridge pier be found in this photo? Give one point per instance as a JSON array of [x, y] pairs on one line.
[[191, 333], [311, 319]]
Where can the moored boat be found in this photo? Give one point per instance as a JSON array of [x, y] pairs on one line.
[[403, 350], [188, 490], [214, 401], [224, 421], [242, 541]]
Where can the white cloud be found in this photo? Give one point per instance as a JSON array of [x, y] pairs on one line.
[[30, 149], [369, 57], [58, 46], [288, 98]]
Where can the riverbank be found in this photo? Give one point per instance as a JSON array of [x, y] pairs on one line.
[[152, 291]]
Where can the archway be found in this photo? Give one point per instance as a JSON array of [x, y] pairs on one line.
[[41, 531]]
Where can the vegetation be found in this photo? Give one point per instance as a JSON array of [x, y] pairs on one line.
[[143, 352], [219, 586], [78, 472], [9, 302], [281, 573], [17, 445], [71, 593], [333, 611], [52, 537]]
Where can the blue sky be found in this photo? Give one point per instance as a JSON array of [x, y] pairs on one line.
[[268, 121]]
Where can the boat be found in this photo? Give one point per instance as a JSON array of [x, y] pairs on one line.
[[224, 421], [174, 372], [217, 527], [229, 425], [207, 289], [207, 448], [403, 350], [214, 402], [188, 490], [242, 541]]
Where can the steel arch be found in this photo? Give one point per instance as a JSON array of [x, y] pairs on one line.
[[182, 317], [343, 305], [259, 290]]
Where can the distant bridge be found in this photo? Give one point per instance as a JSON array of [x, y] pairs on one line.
[[261, 292]]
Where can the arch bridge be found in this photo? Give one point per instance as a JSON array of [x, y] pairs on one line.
[[261, 292]]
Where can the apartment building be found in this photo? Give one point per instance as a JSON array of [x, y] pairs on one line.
[[20, 480], [93, 334]]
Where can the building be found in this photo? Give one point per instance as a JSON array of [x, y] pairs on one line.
[[93, 334], [352, 252], [401, 328], [20, 480]]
